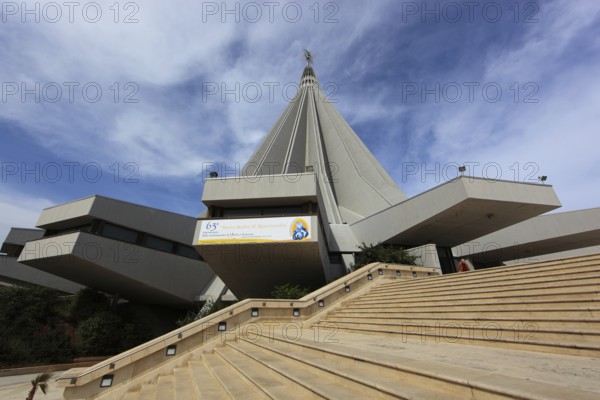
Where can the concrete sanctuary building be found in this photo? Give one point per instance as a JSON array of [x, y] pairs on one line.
[[309, 196], [297, 212], [312, 171]]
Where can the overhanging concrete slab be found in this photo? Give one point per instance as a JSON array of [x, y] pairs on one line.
[[545, 234], [456, 212], [14, 272], [134, 272], [254, 269]]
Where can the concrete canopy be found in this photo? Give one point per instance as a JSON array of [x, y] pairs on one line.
[[456, 212], [13, 272], [545, 234], [139, 253]]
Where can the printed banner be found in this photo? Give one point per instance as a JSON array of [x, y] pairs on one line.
[[255, 230]]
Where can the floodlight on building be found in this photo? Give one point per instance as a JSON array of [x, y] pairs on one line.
[[414, 274], [542, 178], [321, 303], [171, 350], [222, 326], [370, 277], [398, 273], [296, 312], [213, 174], [380, 271], [347, 289], [462, 169], [254, 312], [107, 380]]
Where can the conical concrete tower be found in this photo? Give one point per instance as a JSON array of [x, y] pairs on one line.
[[311, 135]]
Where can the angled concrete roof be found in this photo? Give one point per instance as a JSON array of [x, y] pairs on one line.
[[165, 224]]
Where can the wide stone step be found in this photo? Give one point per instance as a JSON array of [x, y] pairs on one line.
[[274, 385], [449, 307], [523, 270], [440, 318], [592, 281], [235, 384], [589, 313], [501, 273], [485, 294], [148, 391], [494, 275], [184, 384], [205, 382], [491, 336], [580, 300], [515, 329], [132, 395], [438, 282], [165, 388], [319, 380]]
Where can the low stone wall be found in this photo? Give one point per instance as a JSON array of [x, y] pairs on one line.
[[82, 362]]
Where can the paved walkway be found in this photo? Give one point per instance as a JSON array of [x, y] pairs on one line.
[[17, 387]]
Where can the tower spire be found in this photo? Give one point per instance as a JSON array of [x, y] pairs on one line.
[[308, 75], [309, 57]]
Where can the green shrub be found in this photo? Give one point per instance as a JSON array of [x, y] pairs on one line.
[[32, 329], [99, 335], [382, 253], [88, 303], [208, 308], [289, 291]]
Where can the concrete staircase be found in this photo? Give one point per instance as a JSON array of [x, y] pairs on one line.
[[521, 332], [550, 307]]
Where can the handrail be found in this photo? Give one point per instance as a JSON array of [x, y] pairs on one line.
[[242, 306]]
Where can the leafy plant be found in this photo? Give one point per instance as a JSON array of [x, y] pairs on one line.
[[289, 291], [87, 303], [208, 308], [40, 382], [382, 253], [33, 330]]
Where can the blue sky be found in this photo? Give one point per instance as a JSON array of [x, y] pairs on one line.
[[133, 100]]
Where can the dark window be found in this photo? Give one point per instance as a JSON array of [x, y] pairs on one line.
[[282, 210], [64, 231], [241, 212], [119, 233], [259, 211], [157, 243]]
